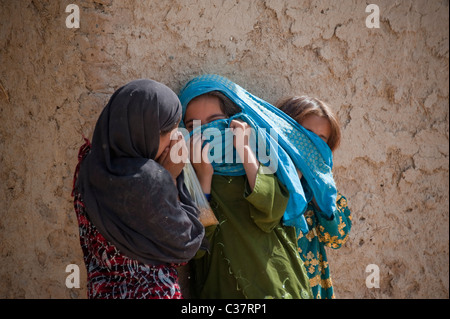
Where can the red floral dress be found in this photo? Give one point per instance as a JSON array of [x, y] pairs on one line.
[[112, 275]]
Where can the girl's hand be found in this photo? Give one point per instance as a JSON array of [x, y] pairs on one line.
[[174, 156], [199, 160]]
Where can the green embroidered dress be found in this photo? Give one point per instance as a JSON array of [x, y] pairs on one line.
[[252, 255], [323, 232]]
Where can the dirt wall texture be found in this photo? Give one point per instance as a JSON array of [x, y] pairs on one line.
[[389, 86]]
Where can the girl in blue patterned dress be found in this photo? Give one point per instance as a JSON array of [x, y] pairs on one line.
[[316, 116]]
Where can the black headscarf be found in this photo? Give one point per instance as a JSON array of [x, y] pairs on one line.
[[130, 198]]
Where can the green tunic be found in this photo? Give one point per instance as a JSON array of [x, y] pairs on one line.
[[252, 255]]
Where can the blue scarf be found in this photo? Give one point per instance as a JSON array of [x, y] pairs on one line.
[[294, 147], [222, 154]]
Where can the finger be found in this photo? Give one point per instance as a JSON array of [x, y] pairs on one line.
[[196, 148], [182, 148], [237, 123], [177, 142], [184, 153], [174, 139], [162, 158], [180, 135]]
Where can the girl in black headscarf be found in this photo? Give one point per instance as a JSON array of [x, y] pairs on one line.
[[137, 220]]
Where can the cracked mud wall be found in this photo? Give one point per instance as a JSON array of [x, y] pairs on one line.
[[389, 87]]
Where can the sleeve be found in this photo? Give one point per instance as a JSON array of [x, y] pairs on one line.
[[268, 201], [334, 232]]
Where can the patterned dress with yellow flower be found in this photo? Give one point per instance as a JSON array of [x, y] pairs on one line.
[[323, 232]]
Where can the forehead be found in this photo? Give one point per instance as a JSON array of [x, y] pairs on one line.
[[318, 124], [315, 119], [205, 98]]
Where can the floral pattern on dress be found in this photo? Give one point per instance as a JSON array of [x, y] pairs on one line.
[[322, 233], [112, 275]]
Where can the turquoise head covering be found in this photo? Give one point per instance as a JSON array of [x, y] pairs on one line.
[[287, 144]]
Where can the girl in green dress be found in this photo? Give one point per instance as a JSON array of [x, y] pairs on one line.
[[323, 231], [252, 254]]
